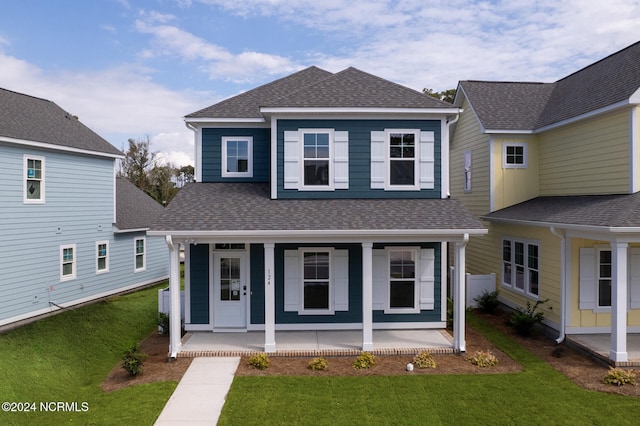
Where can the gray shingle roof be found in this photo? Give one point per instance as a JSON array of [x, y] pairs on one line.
[[316, 88], [39, 120], [134, 208], [530, 106], [588, 210], [248, 207]]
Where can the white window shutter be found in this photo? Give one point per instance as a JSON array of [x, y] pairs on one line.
[[341, 160], [380, 281], [587, 278], [634, 277], [292, 154], [292, 279], [427, 279], [378, 160], [427, 160], [341, 280]]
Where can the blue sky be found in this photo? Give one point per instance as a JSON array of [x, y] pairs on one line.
[[134, 68]]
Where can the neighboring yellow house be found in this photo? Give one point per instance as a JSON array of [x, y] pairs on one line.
[[553, 171]]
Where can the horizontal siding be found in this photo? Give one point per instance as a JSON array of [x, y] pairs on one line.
[[586, 158], [514, 185], [212, 154], [359, 157], [78, 210], [467, 135]]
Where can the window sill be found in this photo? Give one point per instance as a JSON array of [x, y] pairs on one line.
[[318, 312], [402, 311]]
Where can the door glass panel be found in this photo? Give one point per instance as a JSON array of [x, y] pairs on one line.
[[230, 285]]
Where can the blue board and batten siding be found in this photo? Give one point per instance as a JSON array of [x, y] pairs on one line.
[[212, 153], [78, 210], [359, 132], [200, 288]]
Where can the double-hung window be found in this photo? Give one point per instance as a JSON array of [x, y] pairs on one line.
[[316, 159], [102, 257], [521, 266], [33, 179], [403, 159], [237, 156], [604, 277], [316, 281], [403, 288], [67, 262], [140, 256], [514, 155]]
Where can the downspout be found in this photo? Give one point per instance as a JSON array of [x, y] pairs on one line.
[[448, 165], [563, 283]]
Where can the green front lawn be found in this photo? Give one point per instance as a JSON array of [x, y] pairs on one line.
[[538, 395], [65, 358]]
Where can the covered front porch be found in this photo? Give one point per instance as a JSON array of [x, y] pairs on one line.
[[316, 343], [599, 346]]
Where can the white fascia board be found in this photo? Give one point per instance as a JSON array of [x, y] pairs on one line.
[[511, 132], [567, 226], [356, 110], [50, 146], [329, 236], [127, 231], [196, 121]]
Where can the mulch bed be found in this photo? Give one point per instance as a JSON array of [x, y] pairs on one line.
[[580, 368]]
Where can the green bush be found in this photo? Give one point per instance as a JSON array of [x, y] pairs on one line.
[[319, 364], [449, 313], [620, 377], [424, 360], [364, 360], [132, 360], [163, 323], [260, 361], [483, 359], [523, 321], [488, 302]]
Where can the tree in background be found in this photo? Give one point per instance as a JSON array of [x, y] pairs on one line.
[[446, 95], [142, 168]]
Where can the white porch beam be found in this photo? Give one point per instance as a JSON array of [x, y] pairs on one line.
[[367, 296], [175, 332], [618, 351], [459, 296], [269, 299]]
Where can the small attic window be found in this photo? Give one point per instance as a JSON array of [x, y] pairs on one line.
[[514, 155]]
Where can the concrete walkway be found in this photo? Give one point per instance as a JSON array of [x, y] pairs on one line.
[[201, 393]]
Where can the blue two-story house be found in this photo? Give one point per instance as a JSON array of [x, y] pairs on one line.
[[321, 203]]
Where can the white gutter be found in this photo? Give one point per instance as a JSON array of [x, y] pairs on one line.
[[341, 234], [563, 283], [55, 147]]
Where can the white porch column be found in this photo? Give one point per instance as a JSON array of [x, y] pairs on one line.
[[269, 298], [619, 302], [367, 296], [175, 316], [459, 296]]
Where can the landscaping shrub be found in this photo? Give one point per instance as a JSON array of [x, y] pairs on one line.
[[260, 361], [449, 313], [483, 359], [364, 360], [132, 360], [488, 302], [523, 321], [163, 323], [424, 360], [620, 377], [319, 364]]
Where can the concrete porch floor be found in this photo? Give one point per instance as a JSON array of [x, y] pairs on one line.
[[316, 343], [600, 344]]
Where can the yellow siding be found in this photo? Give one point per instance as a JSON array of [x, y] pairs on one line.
[[586, 158], [514, 185], [587, 317], [468, 135]]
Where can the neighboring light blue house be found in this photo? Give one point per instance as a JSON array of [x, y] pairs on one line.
[[321, 204], [70, 231]]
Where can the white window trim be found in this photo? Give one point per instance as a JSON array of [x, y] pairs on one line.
[[73, 274], [26, 200], [525, 159], [416, 161], [598, 249], [331, 309], [102, 271], [416, 281], [527, 285], [135, 254], [249, 172], [331, 185]]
